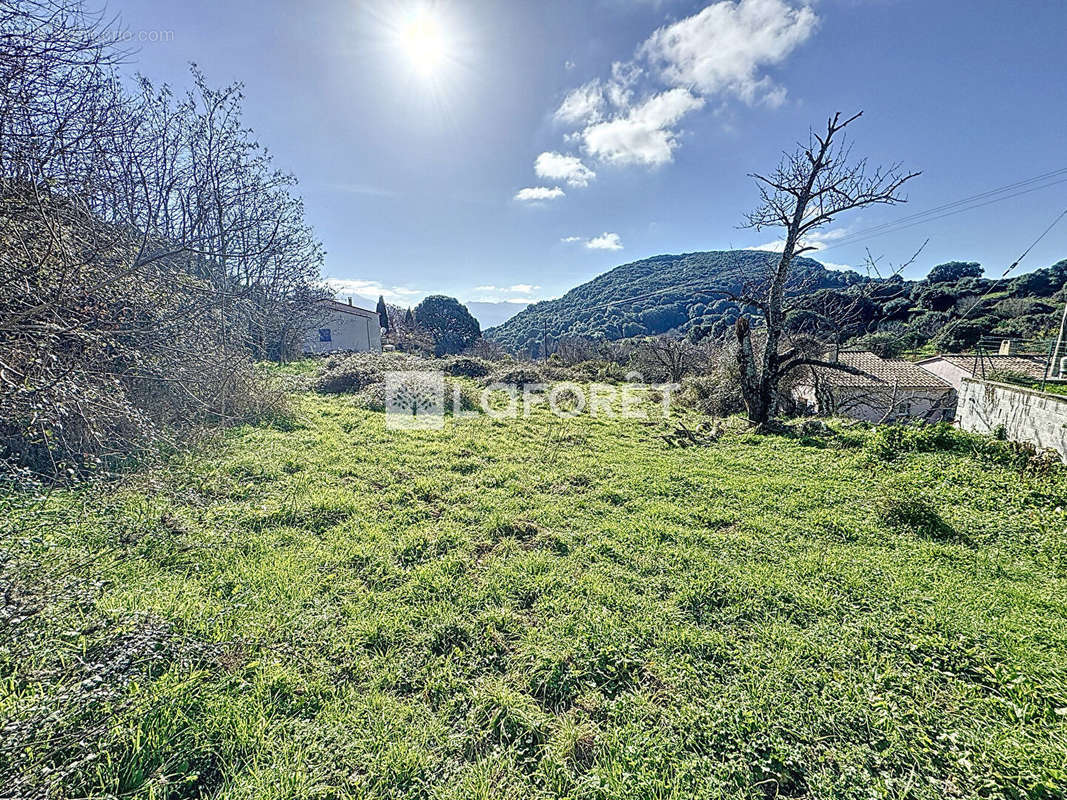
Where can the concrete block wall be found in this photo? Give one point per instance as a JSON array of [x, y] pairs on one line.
[[1026, 414]]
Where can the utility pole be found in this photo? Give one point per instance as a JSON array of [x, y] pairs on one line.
[[1057, 350]]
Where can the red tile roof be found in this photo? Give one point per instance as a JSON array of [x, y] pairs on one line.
[[879, 372]]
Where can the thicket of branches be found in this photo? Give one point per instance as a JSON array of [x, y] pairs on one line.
[[148, 248], [811, 187]]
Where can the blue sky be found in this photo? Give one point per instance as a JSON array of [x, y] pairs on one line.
[[414, 126]]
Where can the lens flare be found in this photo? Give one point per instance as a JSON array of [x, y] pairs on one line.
[[425, 42]]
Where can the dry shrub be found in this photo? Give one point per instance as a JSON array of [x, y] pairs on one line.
[[355, 372], [372, 397], [517, 376], [466, 367], [488, 350], [107, 348], [716, 392], [147, 249]]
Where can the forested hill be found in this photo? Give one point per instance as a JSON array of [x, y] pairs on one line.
[[663, 294], [580, 312]]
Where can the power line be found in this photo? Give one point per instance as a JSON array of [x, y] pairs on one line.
[[980, 196], [929, 216], [989, 197], [1013, 265]]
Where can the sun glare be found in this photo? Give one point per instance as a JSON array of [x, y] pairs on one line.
[[425, 42]]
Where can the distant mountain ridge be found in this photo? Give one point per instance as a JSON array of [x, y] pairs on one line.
[[674, 283], [494, 313]]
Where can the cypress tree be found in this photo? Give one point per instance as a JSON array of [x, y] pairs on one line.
[[383, 313]]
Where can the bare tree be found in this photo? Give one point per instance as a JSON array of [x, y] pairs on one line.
[[830, 317], [810, 187], [575, 349], [488, 349], [665, 357]]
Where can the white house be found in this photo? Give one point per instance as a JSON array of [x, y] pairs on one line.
[[344, 327], [877, 390]]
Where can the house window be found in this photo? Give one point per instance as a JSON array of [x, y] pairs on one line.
[[325, 335]]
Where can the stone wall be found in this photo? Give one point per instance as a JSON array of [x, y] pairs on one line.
[[1027, 415]]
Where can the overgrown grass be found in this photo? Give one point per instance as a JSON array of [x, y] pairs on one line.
[[538, 608]]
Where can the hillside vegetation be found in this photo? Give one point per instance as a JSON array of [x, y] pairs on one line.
[[676, 294], [680, 302], [537, 608]]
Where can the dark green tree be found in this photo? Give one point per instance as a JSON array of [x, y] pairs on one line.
[[954, 270], [1040, 282], [409, 319], [937, 299], [449, 323], [963, 335], [383, 313]]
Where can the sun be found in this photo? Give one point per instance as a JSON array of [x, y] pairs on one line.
[[425, 41]]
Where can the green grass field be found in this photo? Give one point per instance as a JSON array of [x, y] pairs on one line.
[[537, 608]]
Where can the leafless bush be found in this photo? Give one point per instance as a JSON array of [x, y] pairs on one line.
[[668, 358], [573, 350], [519, 376], [488, 350], [466, 367], [148, 250], [717, 391]]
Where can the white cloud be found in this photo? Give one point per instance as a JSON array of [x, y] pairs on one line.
[[605, 241], [506, 294], [722, 51], [620, 89], [372, 289], [724, 47], [534, 194], [518, 300], [592, 101], [816, 239], [645, 135], [558, 167], [582, 105]]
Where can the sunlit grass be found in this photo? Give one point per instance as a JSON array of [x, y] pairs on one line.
[[544, 608]]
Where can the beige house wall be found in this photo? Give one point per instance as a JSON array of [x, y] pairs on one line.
[[349, 332], [946, 370]]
